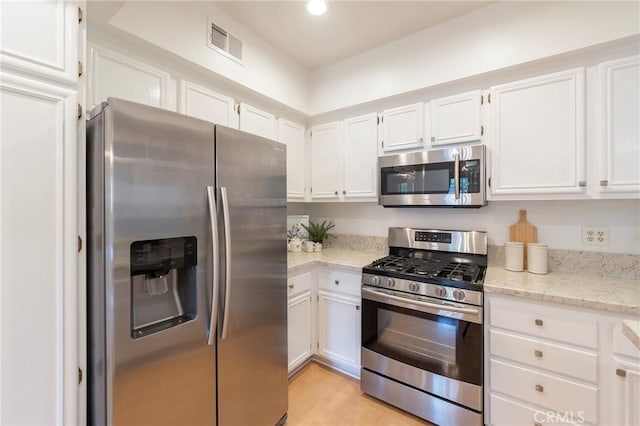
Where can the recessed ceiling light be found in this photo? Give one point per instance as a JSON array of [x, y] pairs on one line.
[[316, 7]]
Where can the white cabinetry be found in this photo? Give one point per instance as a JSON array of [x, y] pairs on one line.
[[339, 319], [39, 327], [257, 121], [537, 139], [300, 319], [325, 163], [205, 104], [292, 135], [620, 136], [456, 119], [112, 74], [360, 158], [403, 128]]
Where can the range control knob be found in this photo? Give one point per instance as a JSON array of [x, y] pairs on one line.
[[375, 280], [458, 294], [391, 282], [414, 287], [440, 291]]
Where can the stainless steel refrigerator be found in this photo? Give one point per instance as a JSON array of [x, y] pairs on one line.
[[186, 271]]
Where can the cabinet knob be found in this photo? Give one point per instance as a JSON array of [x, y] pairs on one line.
[[357, 307], [539, 322], [539, 388], [420, 140], [336, 192], [336, 282], [620, 372], [344, 192], [290, 285], [604, 182], [538, 354]]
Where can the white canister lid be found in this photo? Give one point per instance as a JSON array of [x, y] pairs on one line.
[[513, 243]]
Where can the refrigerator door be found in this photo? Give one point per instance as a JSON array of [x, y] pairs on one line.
[[150, 302], [252, 325]]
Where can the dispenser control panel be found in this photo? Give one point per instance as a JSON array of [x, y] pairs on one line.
[[169, 253]]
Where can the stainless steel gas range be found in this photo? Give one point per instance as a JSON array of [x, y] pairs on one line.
[[422, 324]]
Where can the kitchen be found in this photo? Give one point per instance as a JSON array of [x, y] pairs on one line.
[[496, 49]]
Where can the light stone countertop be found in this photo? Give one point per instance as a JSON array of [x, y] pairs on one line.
[[352, 260], [631, 330], [618, 295]]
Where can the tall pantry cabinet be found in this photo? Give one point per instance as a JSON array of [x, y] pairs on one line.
[[41, 116]]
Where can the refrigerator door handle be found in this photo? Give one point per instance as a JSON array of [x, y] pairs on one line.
[[227, 258], [214, 264]]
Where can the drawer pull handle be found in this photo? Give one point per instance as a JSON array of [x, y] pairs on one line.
[[620, 372], [537, 424], [336, 282], [538, 354], [539, 388], [539, 322], [290, 285]]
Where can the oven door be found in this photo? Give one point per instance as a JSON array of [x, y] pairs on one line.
[[427, 343]]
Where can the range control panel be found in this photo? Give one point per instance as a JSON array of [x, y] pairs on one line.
[[433, 237]]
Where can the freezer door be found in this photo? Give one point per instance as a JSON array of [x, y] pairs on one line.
[[150, 302], [252, 345]]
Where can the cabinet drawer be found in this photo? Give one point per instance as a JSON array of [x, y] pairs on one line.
[[341, 281], [505, 412], [299, 284], [544, 321], [541, 354], [549, 392]]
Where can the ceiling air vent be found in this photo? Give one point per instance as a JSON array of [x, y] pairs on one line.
[[221, 41]]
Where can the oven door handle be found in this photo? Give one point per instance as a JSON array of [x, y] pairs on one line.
[[468, 314]]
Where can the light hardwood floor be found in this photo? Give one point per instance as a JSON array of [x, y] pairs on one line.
[[318, 396]]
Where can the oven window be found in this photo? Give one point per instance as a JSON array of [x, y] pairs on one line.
[[438, 344], [434, 178]]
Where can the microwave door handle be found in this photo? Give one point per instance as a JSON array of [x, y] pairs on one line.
[[227, 259], [456, 174], [213, 222]]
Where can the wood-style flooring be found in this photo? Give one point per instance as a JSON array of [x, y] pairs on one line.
[[319, 396]]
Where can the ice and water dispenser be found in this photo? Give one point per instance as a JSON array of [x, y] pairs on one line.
[[163, 284]]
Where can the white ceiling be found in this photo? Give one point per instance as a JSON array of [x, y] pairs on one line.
[[348, 27]]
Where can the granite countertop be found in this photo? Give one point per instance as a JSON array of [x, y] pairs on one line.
[[348, 259], [631, 330], [618, 295]]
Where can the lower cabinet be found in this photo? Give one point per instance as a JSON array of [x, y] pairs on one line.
[[299, 329], [626, 392], [339, 329]]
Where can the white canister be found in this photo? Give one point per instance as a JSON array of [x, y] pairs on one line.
[[514, 256], [295, 245], [308, 246], [317, 247], [537, 256]]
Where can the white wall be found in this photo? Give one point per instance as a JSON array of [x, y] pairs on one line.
[[181, 28], [559, 222], [494, 37]]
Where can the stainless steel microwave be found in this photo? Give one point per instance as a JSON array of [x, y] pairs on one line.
[[451, 177]]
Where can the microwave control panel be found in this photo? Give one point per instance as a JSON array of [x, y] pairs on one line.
[[470, 176]]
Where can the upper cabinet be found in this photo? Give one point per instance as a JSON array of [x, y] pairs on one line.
[[537, 137], [619, 141], [257, 121], [292, 135], [114, 75], [360, 158], [205, 104], [456, 119], [403, 128], [325, 162]]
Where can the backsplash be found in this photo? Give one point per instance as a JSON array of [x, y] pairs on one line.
[[566, 261]]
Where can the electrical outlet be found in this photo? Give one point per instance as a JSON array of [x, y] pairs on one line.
[[593, 236]]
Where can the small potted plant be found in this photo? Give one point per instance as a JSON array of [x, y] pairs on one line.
[[318, 233]]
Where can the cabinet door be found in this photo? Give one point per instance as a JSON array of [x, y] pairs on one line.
[[40, 37], [38, 253], [299, 316], [538, 137], [360, 158], [292, 135], [626, 395], [325, 165], [339, 329], [455, 119], [257, 121], [114, 75], [403, 128], [200, 102], [619, 171]]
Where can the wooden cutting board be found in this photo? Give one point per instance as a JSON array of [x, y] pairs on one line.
[[523, 232]]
